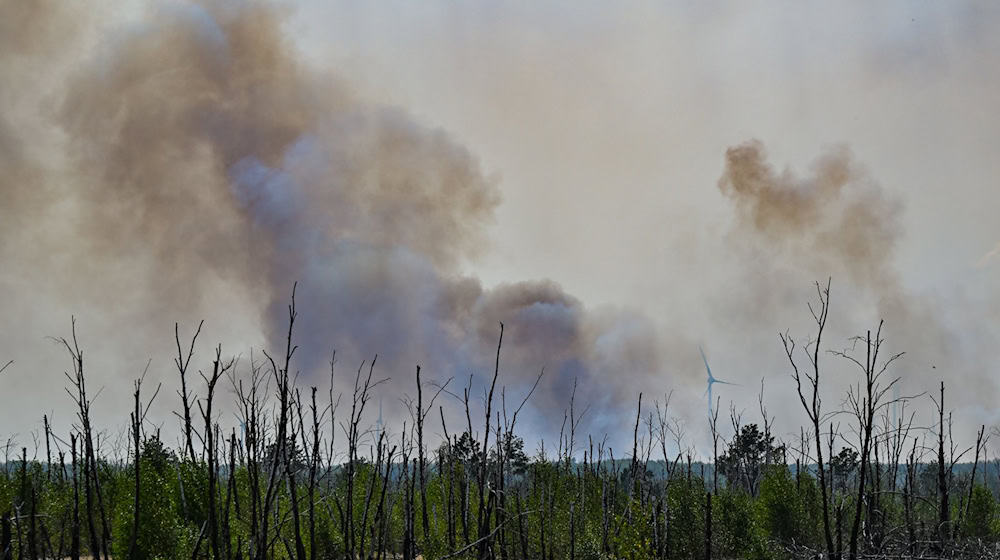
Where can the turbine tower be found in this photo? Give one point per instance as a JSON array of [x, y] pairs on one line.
[[711, 380]]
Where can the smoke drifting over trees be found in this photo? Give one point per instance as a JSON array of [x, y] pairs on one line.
[[836, 220], [183, 164], [197, 150], [174, 165]]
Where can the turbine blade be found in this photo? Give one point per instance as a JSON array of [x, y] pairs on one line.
[[704, 359]]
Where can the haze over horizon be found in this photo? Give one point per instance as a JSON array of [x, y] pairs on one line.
[[617, 186]]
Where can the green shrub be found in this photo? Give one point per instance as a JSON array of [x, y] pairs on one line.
[[979, 520], [162, 533]]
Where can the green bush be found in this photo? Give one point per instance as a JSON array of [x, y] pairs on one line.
[[981, 516], [786, 507], [162, 533], [734, 526]]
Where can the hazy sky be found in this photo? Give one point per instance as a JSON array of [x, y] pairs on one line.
[[609, 127], [595, 136]]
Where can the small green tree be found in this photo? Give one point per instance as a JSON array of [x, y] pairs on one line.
[[162, 533], [981, 514], [686, 501], [748, 453], [843, 465], [734, 526], [784, 509]]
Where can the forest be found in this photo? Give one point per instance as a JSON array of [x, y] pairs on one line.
[[307, 475]]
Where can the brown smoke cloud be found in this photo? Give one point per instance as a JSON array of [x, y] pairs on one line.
[[30, 32], [197, 153], [836, 218], [836, 221]]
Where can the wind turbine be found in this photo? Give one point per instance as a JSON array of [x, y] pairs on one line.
[[711, 381]]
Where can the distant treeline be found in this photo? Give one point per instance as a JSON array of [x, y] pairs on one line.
[[309, 477]]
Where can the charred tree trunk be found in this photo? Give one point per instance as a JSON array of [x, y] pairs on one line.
[[811, 401], [28, 498], [944, 510], [182, 364], [708, 526], [74, 547], [424, 519], [212, 456]]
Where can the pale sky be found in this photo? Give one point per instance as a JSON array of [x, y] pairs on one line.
[[608, 127]]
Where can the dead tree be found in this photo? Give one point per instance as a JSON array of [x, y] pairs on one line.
[[981, 441], [218, 370], [232, 499], [287, 459], [94, 496], [283, 387], [376, 468], [909, 499], [27, 499], [483, 516], [250, 398], [138, 417], [944, 509], [472, 461], [424, 520], [74, 547], [182, 362], [505, 438], [314, 462], [713, 423], [48, 451], [359, 399], [865, 401], [810, 398], [380, 522], [448, 456], [708, 526]]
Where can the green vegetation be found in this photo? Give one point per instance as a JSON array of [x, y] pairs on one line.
[[281, 489]]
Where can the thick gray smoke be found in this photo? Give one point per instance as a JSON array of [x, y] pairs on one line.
[[197, 150]]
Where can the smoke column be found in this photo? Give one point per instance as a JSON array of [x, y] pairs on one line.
[[197, 150], [837, 221]]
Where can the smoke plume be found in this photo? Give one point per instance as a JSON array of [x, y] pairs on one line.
[[836, 221], [192, 164], [198, 154]]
